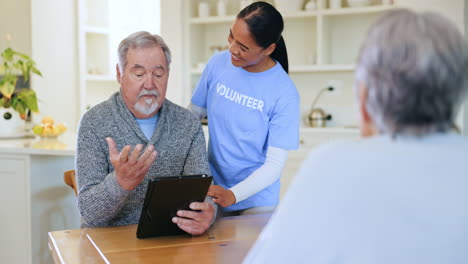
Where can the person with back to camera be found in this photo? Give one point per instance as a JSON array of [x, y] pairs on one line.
[[253, 111], [112, 175], [398, 196]]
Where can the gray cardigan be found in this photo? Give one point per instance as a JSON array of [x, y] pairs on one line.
[[178, 139]]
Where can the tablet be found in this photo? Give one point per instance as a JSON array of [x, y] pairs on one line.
[[164, 197]]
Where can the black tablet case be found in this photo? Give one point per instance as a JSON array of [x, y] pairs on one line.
[[164, 197]]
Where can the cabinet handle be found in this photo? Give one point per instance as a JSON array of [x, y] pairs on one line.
[[301, 141]]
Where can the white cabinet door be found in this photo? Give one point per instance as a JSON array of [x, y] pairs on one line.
[[293, 164], [15, 246]]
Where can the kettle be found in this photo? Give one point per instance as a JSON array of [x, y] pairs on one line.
[[317, 116]]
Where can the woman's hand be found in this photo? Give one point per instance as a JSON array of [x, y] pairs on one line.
[[221, 196]]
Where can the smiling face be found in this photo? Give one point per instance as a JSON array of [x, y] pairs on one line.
[[245, 52], [144, 80]]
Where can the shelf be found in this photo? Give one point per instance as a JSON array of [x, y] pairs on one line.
[[320, 68], [100, 78], [303, 69], [356, 10], [299, 14], [344, 130], [212, 19], [101, 25], [96, 30], [316, 53]]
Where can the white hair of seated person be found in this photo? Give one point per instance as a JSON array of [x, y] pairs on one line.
[[413, 84]]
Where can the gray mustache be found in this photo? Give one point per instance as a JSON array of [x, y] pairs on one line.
[[146, 92]]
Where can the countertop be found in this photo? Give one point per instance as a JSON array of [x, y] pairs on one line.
[[63, 145]]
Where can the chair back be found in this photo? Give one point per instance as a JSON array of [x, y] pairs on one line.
[[70, 179]]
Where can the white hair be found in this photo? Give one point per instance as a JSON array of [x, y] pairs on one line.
[[141, 39], [414, 67]]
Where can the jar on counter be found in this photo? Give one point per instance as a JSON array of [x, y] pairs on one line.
[[221, 7]]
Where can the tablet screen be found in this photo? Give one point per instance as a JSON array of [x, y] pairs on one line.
[[164, 197]]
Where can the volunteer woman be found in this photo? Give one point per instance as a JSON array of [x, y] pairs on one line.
[[253, 111]]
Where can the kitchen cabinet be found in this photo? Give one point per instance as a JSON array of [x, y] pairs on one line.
[[102, 24], [322, 46], [34, 198], [15, 219]]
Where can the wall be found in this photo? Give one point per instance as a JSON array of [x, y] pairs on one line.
[[171, 30], [54, 47], [48, 36], [452, 9], [15, 20]]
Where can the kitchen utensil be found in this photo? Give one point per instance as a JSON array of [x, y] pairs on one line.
[[288, 6], [203, 9], [357, 3], [317, 116], [311, 5], [221, 7], [334, 4]]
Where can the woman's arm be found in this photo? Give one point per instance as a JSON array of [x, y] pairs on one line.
[[261, 178], [200, 112]]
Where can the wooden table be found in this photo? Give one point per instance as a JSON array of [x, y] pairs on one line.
[[228, 241]]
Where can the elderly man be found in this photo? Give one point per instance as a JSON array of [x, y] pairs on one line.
[[400, 195], [135, 136]]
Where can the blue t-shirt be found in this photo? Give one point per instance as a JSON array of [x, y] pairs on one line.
[[247, 112], [148, 125]]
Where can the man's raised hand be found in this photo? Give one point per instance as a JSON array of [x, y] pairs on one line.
[[130, 167]]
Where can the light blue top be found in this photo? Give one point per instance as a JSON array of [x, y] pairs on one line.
[[148, 125], [247, 112], [375, 201]]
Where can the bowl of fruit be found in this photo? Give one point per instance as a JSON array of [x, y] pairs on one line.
[[48, 128]]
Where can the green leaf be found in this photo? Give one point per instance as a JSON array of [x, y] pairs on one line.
[[13, 63], [36, 71], [22, 55], [8, 54], [28, 97], [18, 66], [6, 102], [7, 86], [19, 106], [26, 69]]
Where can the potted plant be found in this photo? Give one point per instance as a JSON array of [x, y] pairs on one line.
[[16, 67]]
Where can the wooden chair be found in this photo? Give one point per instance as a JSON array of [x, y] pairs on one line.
[[70, 179]]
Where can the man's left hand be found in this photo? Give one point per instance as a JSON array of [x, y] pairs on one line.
[[195, 222]]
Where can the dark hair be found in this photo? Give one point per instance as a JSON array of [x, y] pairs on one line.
[[266, 25]]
